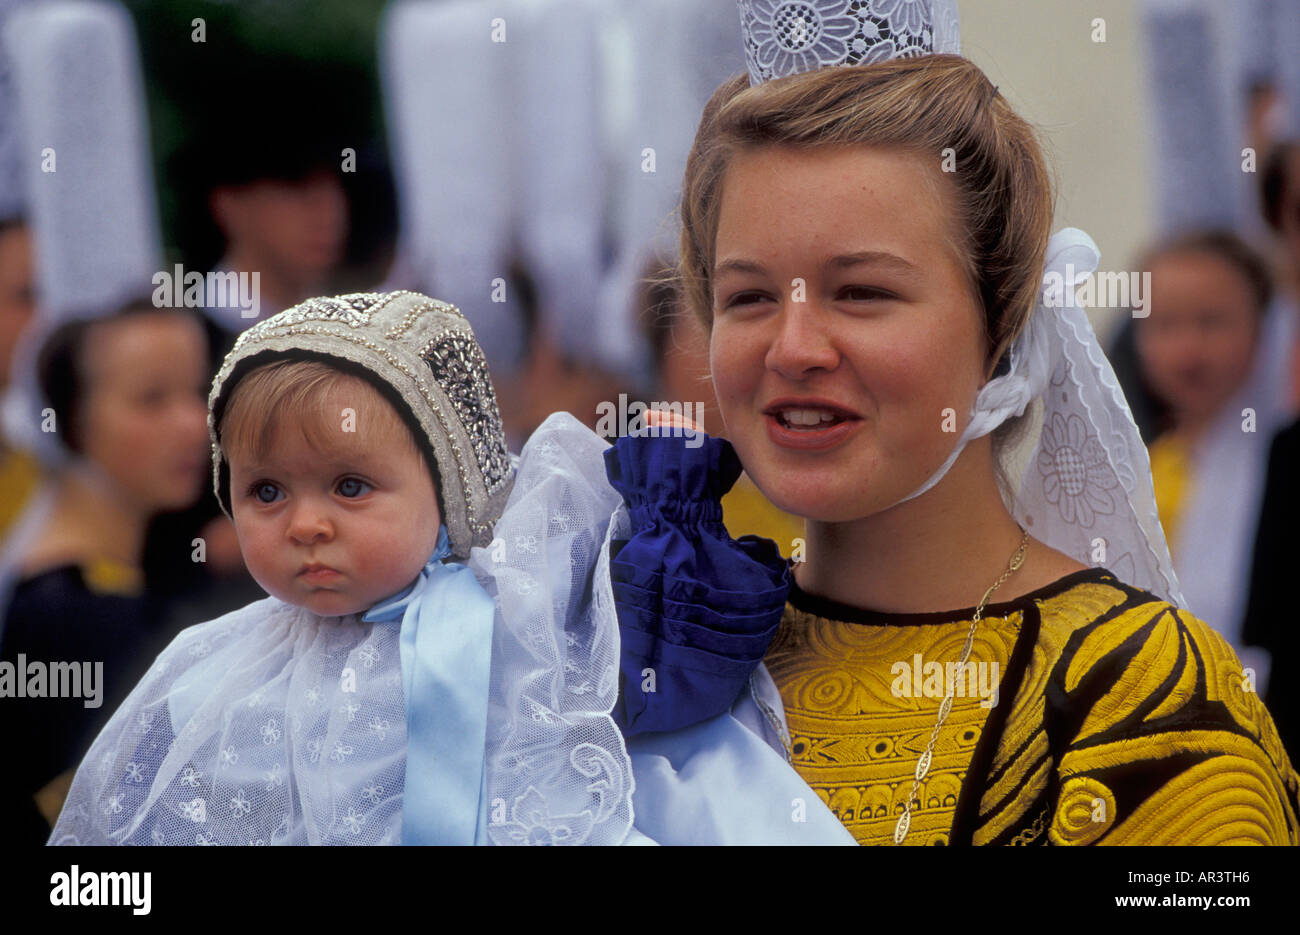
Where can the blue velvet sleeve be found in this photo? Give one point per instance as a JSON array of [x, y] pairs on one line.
[[695, 607]]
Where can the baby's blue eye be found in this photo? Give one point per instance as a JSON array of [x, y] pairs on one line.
[[349, 487], [258, 491]]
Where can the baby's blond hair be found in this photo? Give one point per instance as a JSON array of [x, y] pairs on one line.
[[298, 393]]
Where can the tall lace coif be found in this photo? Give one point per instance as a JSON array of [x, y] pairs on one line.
[[786, 37]]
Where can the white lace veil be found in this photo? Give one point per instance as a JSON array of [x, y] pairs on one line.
[[1086, 489]]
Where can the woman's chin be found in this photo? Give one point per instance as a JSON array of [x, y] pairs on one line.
[[809, 501]]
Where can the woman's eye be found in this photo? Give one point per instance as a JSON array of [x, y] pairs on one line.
[[745, 298], [864, 293], [264, 492], [352, 487]]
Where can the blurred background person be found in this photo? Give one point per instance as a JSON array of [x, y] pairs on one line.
[[1280, 208], [288, 223], [1201, 351], [278, 208], [21, 494], [83, 179], [19, 469], [1270, 612], [271, 219], [128, 398], [1208, 373]]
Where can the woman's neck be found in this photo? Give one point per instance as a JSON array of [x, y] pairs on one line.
[[936, 552], [92, 518]]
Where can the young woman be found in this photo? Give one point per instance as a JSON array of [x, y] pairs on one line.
[[959, 661], [1205, 356], [126, 396]]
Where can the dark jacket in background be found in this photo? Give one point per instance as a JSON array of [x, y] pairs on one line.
[[1271, 618]]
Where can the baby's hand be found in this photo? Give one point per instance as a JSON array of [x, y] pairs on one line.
[[670, 419]]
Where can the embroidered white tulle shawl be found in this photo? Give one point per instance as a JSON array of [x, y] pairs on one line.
[[273, 725]]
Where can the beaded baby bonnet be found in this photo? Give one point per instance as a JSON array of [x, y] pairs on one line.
[[425, 351]]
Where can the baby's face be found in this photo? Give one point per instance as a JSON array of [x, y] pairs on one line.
[[335, 531]]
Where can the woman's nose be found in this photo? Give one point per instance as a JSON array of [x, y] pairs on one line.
[[803, 340]]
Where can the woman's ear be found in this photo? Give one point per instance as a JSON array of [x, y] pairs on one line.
[[1004, 364], [999, 368]]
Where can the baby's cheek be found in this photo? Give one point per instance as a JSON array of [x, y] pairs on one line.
[[258, 558], [398, 550], [422, 539], [424, 519]]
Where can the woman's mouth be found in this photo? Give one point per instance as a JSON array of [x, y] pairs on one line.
[[807, 419], [809, 426]]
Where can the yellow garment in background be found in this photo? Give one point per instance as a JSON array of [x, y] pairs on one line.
[[109, 576], [20, 474], [1171, 473], [745, 512], [1119, 719]]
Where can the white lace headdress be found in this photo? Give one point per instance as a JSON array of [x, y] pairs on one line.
[[1086, 489], [451, 167], [786, 37], [85, 177]]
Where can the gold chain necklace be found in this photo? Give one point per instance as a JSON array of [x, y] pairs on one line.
[[923, 764]]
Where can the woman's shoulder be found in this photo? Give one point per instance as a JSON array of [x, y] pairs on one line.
[[1126, 653], [1148, 701], [1098, 617], [1080, 595], [1102, 623]]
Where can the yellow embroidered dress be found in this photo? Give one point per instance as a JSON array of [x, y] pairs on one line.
[[1119, 719]]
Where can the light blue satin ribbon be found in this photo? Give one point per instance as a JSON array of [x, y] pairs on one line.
[[446, 650]]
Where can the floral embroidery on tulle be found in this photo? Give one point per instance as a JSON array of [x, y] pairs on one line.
[[531, 822], [239, 804], [320, 759], [1076, 473]]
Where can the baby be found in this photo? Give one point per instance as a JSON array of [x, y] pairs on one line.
[[380, 694], [334, 502]]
